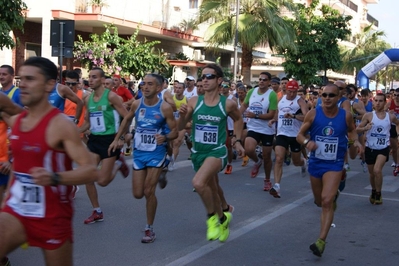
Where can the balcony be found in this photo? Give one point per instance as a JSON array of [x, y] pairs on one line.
[[371, 19], [372, 1], [350, 4]]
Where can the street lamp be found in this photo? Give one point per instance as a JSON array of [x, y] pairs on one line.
[[236, 42]]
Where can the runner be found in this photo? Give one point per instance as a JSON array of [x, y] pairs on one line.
[[150, 145], [328, 144], [38, 209], [291, 112], [104, 109], [262, 104], [209, 113], [377, 127]]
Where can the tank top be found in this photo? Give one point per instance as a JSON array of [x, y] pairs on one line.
[[369, 106], [26, 198], [330, 135], [378, 136], [394, 108], [70, 109], [56, 99], [288, 126], [190, 94], [209, 125], [178, 104], [149, 121], [104, 119], [259, 104]]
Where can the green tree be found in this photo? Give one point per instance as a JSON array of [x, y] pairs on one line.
[[260, 23], [115, 54], [11, 18], [369, 44], [318, 31]]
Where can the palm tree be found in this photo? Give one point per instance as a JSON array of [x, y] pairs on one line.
[[369, 44], [260, 23]]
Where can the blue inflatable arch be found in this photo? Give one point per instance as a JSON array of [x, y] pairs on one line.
[[376, 65]]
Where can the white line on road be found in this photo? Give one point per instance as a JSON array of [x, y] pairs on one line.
[[202, 251], [366, 196]]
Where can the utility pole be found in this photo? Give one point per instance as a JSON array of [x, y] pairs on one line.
[[236, 41]]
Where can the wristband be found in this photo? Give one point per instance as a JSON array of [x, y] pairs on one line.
[[55, 179], [305, 142]]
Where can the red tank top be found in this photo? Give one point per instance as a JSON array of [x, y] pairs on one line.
[[394, 107], [30, 150]]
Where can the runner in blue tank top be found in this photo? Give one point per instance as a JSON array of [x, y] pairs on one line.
[[328, 145], [58, 96]]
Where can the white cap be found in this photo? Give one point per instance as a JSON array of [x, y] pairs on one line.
[[190, 78]]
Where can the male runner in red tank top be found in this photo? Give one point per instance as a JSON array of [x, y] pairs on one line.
[[394, 109], [38, 209]]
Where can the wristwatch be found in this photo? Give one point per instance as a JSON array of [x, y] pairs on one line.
[[256, 116], [76, 121], [305, 142], [122, 137]]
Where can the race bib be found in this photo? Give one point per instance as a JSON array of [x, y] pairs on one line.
[[144, 139], [256, 110], [97, 124], [327, 148], [206, 134], [27, 199], [176, 114], [286, 122], [378, 141]]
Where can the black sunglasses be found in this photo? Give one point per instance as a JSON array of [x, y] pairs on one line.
[[396, 95], [261, 79], [208, 76], [71, 83], [329, 95]]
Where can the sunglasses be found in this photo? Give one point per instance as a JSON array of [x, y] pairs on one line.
[[208, 76], [225, 86], [261, 79], [329, 95], [71, 83], [396, 95]]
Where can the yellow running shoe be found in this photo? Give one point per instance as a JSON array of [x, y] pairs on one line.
[[224, 227], [213, 225], [245, 160]]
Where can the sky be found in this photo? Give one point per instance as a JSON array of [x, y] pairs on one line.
[[386, 12]]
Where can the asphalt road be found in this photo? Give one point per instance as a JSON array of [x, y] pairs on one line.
[[264, 230]]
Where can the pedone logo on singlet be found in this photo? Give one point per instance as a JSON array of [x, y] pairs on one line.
[[209, 118]]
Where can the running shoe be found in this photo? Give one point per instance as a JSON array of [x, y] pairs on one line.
[[347, 167], [304, 168], [171, 165], [128, 151], [231, 209], [318, 247], [95, 217], [224, 227], [364, 165], [245, 160], [149, 236], [393, 164], [123, 168], [255, 169], [213, 231], [162, 181], [267, 185], [287, 158], [229, 169], [5, 262], [275, 191], [378, 199], [372, 196]]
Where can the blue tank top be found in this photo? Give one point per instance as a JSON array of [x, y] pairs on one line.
[[15, 95], [149, 121], [330, 135], [56, 100], [369, 106]]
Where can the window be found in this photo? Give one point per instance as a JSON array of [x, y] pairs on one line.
[[193, 4], [33, 49]]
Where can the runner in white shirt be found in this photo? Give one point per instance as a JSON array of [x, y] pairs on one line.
[[190, 90]]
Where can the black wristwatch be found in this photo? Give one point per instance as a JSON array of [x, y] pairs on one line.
[[76, 121], [55, 179], [256, 116], [122, 137]]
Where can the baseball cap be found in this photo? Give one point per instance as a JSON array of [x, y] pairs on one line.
[[117, 76], [292, 85], [275, 80], [190, 78]]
